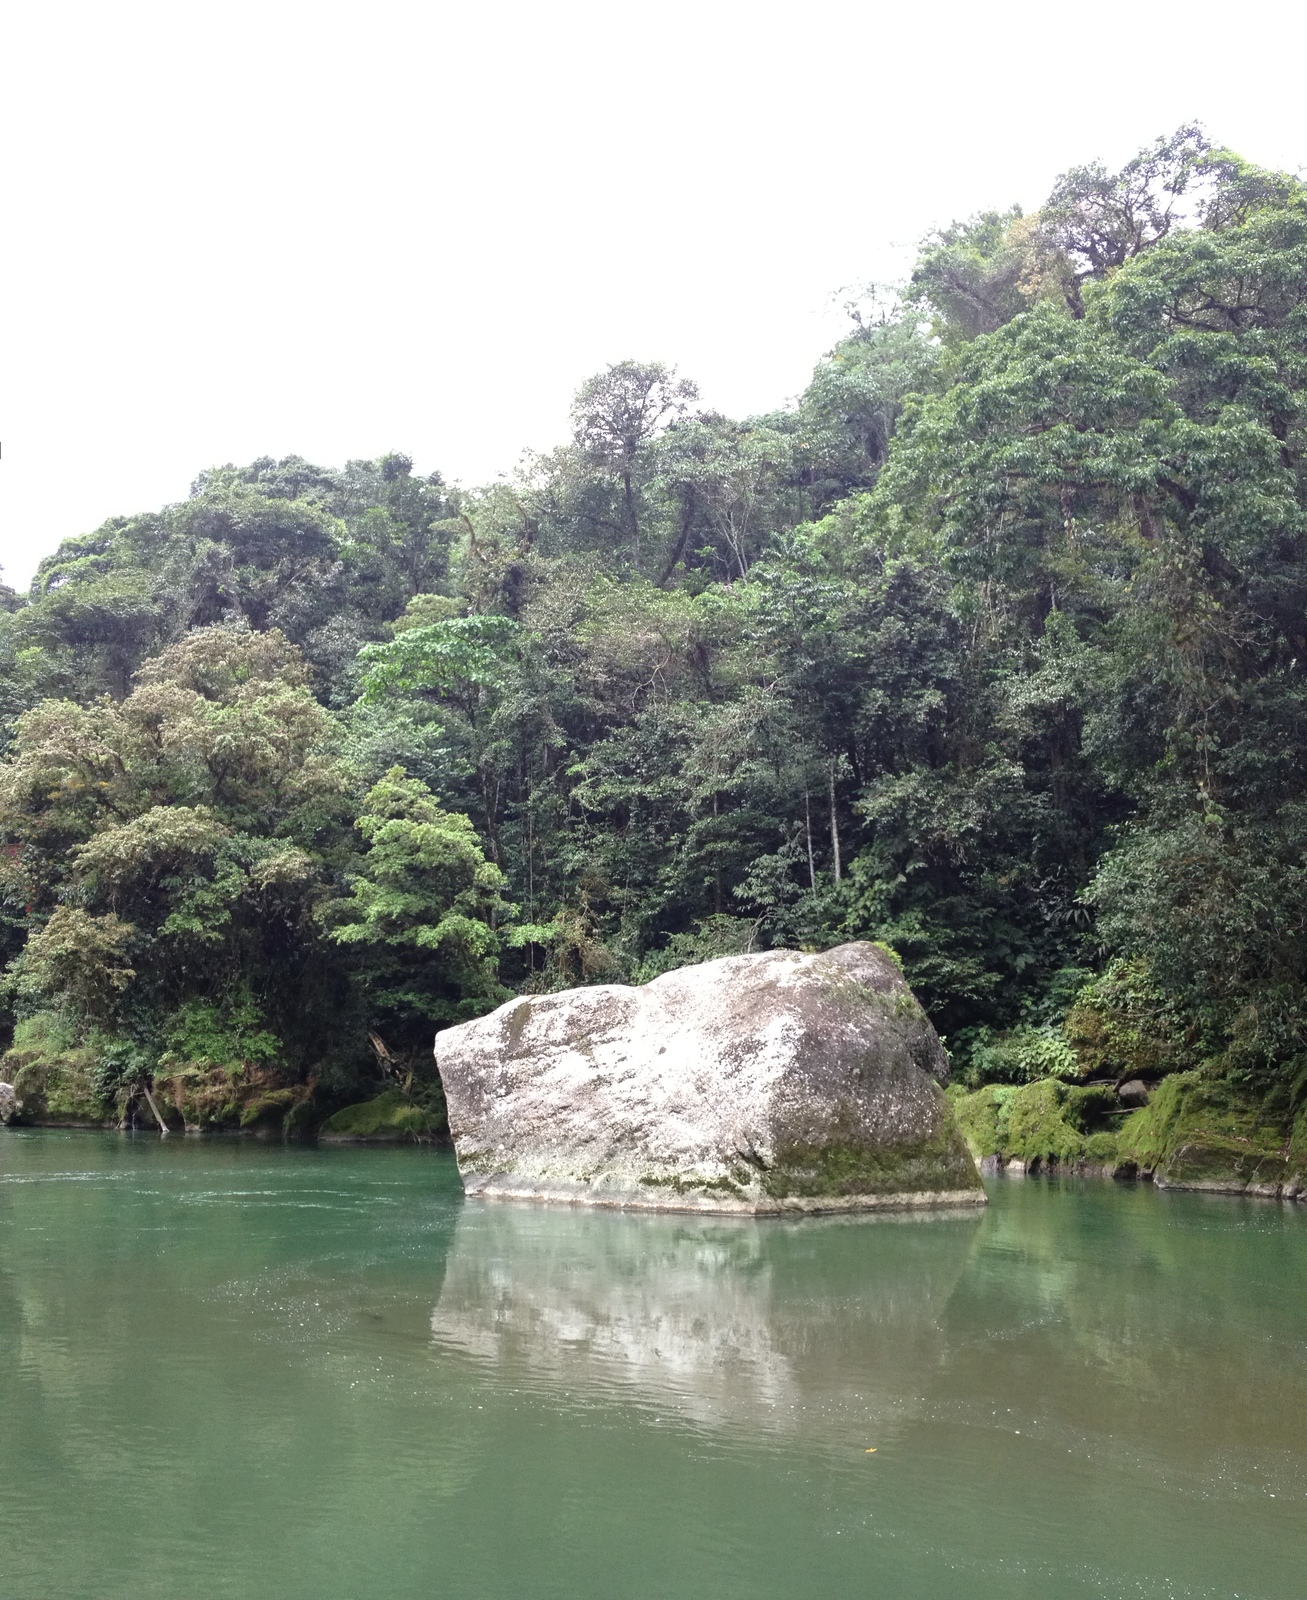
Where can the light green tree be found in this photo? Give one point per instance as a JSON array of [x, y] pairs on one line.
[[424, 912]]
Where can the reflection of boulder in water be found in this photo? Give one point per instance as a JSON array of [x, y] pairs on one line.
[[831, 1323]]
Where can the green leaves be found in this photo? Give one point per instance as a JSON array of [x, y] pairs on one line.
[[1131, 480], [424, 905], [444, 656], [79, 961], [161, 843], [991, 647]]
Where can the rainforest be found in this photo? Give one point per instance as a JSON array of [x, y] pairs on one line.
[[990, 647]]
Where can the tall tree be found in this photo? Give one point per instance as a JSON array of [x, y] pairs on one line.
[[617, 414]]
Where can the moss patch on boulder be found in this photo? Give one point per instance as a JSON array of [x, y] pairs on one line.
[[390, 1117], [939, 1163]]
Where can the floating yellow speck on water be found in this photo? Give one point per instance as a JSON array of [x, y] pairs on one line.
[[870, 1452]]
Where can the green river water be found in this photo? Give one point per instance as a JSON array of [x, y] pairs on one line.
[[229, 1369]]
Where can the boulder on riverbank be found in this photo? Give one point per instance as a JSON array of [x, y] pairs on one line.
[[8, 1104], [53, 1080], [778, 1082]]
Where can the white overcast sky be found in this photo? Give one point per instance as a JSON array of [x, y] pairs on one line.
[[243, 229]]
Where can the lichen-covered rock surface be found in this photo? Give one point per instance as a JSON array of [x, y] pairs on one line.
[[778, 1082]]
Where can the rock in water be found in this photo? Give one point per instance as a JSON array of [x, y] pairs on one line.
[[8, 1103], [762, 1083]]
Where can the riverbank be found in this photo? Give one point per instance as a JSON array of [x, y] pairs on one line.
[[47, 1081], [1195, 1132], [233, 1106]]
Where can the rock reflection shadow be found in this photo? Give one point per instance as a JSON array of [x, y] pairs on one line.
[[820, 1323]]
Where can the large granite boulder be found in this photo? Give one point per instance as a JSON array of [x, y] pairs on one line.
[[762, 1083]]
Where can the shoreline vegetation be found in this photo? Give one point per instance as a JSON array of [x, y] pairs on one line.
[[989, 648], [1195, 1134]]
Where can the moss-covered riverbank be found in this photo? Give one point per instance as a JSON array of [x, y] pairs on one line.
[[1195, 1132], [53, 1085]]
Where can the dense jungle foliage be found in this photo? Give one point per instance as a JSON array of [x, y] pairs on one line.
[[991, 647]]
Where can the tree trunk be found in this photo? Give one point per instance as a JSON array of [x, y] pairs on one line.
[[717, 877], [834, 826], [632, 523], [683, 538], [163, 1126]]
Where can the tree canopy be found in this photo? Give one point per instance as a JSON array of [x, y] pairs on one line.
[[989, 647]]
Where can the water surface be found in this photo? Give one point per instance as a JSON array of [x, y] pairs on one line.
[[237, 1370]]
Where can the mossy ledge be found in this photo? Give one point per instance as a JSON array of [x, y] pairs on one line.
[[389, 1118], [1045, 1125], [1197, 1132]]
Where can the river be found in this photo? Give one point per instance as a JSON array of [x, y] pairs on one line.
[[235, 1370]]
